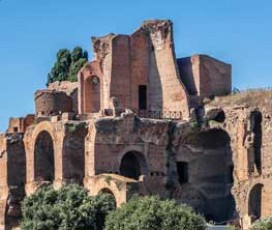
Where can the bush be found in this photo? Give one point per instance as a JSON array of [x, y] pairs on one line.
[[67, 65], [152, 213], [265, 224], [69, 208]]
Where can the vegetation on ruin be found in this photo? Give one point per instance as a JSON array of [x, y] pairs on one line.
[[152, 213], [67, 65], [69, 208], [265, 224], [250, 97]]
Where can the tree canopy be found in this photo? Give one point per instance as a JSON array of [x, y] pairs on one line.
[[152, 213], [69, 208], [67, 65]]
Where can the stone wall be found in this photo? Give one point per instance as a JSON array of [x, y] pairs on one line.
[[250, 132]]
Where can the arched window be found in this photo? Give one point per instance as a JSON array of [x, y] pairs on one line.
[[92, 94]]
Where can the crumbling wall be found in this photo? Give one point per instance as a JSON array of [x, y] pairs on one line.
[[49, 103], [19, 125], [140, 71], [215, 77], [174, 95], [207, 155], [13, 175], [91, 91], [250, 133]]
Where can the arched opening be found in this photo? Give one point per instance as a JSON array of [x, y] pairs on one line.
[[92, 94], [255, 202], [133, 165], [212, 171], [109, 192], [256, 122], [44, 167]]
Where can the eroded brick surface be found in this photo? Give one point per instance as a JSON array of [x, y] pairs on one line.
[[134, 123]]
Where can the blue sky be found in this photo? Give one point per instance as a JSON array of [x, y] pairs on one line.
[[31, 32]]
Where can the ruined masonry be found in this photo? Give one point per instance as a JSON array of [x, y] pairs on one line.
[[135, 123]]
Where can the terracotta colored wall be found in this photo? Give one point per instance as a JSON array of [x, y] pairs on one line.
[[174, 97], [90, 93], [189, 69], [140, 66], [19, 125], [120, 75], [49, 102], [215, 77], [205, 76], [147, 58]]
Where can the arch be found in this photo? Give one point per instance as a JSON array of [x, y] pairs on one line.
[[133, 165], [44, 162], [255, 202], [108, 191], [213, 168]]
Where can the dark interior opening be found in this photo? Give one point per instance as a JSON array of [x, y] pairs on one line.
[[182, 169], [257, 142], [255, 202], [220, 117], [131, 165], [142, 97]]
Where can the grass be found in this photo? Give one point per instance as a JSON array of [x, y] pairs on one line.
[[248, 98]]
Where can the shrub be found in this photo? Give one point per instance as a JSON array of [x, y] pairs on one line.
[[152, 213], [264, 224], [69, 208]]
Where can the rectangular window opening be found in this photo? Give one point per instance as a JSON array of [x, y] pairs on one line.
[[182, 170], [142, 97]]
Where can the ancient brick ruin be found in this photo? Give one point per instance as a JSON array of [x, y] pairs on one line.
[[135, 123]]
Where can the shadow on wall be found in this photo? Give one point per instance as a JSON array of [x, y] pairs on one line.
[[205, 175], [185, 68]]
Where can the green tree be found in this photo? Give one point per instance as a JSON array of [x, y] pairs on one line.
[[67, 65], [264, 224], [152, 213], [69, 208]]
